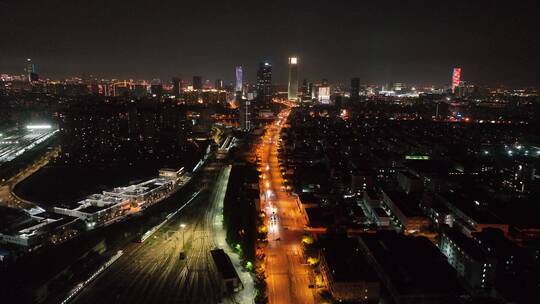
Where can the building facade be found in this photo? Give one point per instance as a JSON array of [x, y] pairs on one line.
[[264, 83], [292, 92]]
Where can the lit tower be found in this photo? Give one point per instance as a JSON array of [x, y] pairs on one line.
[[293, 79], [264, 83], [238, 87], [244, 106], [456, 78], [31, 70]]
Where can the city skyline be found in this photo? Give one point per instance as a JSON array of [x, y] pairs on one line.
[[270, 152], [385, 42], [30, 73], [233, 78]]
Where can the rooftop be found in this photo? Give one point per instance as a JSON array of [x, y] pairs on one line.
[[465, 243], [224, 264], [494, 241], [10, 217], [404, 202], [319, 217], [380, 212], [409, 175], [93, 208], [413, 264], [345, 260], [474, 208]]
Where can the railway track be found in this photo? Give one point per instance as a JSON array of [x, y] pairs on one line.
[[152, 272]]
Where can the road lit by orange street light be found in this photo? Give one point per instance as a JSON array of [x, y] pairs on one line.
[[287, 276]]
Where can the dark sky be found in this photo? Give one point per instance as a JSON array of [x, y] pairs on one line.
[[495, 42]]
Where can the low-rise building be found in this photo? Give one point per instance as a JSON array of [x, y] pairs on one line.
[[411, 268], [405, 210], [493, 243], [105, 208], [471, 215], [383, 219], [475, 267], [436, 211], [409, 182], [362, 180], [229, 280], [98, 210], [345, 271], [31, 231], [319, 219]]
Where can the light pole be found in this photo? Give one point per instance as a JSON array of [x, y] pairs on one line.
[[183, 226]]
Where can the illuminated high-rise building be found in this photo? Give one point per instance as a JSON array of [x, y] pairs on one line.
[[355, 89], [398, 86], [315, 90], [31, 70], [456, 78], [197, 83], [264, 83], [324, 94], [239, 75], [293, 79], [244, 107], [309, 90]]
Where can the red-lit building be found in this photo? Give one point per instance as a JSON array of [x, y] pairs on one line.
[[456, 78]]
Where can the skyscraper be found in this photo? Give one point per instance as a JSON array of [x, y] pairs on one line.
[[177, 86], [264, 83], [355, 88], [207, 84], [218, 85], [31, 70], [456, 78], [245, 114], [324, 94], [197, 82], [238, 72], [309, 90], [244, 105], [293, 79]]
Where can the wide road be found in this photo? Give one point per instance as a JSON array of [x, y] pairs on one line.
[[152, 272], [287, 275]]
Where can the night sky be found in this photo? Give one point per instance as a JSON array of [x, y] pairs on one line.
[[495, 42]]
